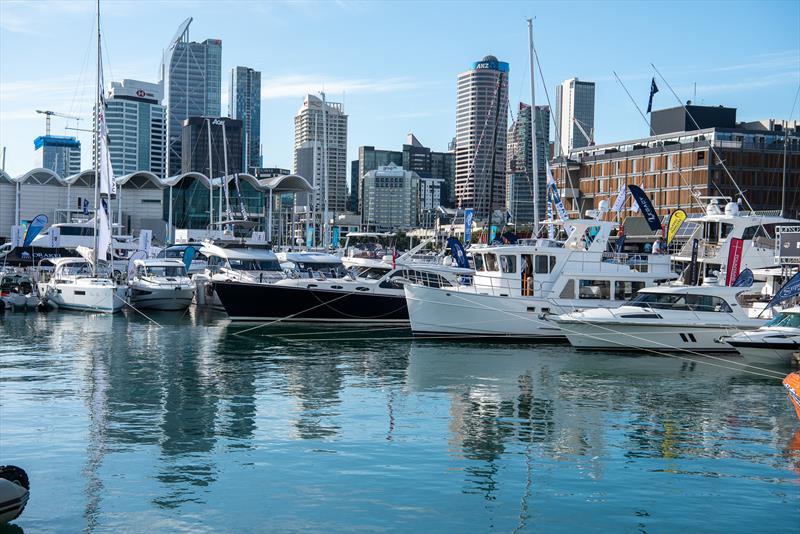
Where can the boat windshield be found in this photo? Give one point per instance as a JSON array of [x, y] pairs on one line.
[[166, 270], [786, 320], [335, 270], [254, 265], [372, 273], [680, 302]]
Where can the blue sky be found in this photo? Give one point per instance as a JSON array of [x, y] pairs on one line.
[[395, 63]]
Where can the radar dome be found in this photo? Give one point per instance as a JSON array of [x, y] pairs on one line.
[[489, 58]]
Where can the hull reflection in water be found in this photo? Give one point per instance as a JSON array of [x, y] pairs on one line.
[[203, 423]]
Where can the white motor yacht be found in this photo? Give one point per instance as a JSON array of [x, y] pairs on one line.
[[73, 286], [160, 284], [777, 342], [234, 263], [714, 231], [514, 284], [176, 252], [309, 264], [669, 318]]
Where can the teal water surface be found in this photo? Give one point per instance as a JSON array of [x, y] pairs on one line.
[[199, 425]]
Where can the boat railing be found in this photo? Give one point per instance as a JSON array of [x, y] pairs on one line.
[[504, 287]]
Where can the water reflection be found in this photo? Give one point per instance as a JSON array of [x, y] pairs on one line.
[[174, 411]]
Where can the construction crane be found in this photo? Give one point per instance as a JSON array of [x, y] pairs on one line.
[[48, 114], [589, 137]]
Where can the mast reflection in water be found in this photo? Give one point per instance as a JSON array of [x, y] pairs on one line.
[[200, 424]]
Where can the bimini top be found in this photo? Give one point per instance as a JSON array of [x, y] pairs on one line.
[[237, 253]]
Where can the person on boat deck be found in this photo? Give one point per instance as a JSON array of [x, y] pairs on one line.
[[658, 246]]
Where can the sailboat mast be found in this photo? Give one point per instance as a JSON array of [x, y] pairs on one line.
[[96, 151], [210, 177], [325, 216], [534, 134], [783, 186]]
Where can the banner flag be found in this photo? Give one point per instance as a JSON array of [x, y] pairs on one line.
[[693, 270], [492, 233], [310, 236], [188, 257], [145, 240], [34, 228], [745, 279], [634, 205], [469, 214], [676, 220], [242, 207], [734, 260], [791, 289], [103, 232], [458, 252], [335, 233], [622, 196], [646, 206], [55, 237]]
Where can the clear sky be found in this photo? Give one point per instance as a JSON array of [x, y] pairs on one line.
[[395, 63]]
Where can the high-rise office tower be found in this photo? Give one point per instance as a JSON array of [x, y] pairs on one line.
[[308, 128], [245, 104], [192, 75], [59, 153], [519, 185], [574, 115], [196, 145], [481, 123], [137, 128]]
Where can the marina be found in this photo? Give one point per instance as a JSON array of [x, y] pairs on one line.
[[198, 425], [528, 330]]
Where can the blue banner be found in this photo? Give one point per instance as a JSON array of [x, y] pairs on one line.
[[646, 206], [791, 289], [310, 237], [468, 216], [37, 225], [188, 256], [458, 252], [492, 233], [335, 237], [745, 279]]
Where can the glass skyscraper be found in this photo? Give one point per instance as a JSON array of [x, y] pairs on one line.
[[61, 154], [192, 87], [519, 185], [574, 115], [245, 104]]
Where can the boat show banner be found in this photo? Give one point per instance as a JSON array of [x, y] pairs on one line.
[[734, 260], [791, 289], [745, 279], [675, 222], [646, 206], [468, 216], [37, 225], [693, 267], [458, 253]]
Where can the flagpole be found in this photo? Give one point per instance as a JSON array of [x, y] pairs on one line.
[[534, 138]]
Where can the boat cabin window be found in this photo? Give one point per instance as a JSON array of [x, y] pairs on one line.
[[372, 273], [594, 289], [416, 277], [508, 263], [491, 262], [725, 230], [671, 301], [544, 264], [334, 270], [767, 231], [626, 290], [77, 230], [254, 265], [787, 320], [569, 290], [711, 232], [166, 270], [477, 259]]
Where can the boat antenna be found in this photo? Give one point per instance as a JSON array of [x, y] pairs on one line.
[[97, 149], [534, 136], [650, 127], [710, 145]]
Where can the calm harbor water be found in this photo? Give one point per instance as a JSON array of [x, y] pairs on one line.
[[202, 426]]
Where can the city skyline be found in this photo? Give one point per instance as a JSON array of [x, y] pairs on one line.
[[387, 99]]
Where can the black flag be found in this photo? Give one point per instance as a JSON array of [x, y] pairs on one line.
[[653, 91]]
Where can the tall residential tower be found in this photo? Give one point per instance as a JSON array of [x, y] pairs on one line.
[[307, 134], [481, 123], [245, 105], [519, 185], [574, 115]]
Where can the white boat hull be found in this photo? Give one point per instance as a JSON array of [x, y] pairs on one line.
[[766, 347], [444, 311], [650, 336], [164, 299], [92, 295]]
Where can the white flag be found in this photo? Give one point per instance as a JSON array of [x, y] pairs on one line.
[[103, 231], [621, 197], [108, 186], [634, 204]]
